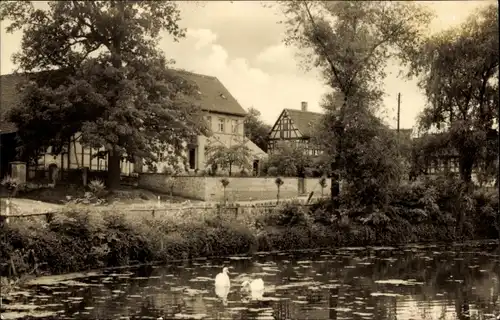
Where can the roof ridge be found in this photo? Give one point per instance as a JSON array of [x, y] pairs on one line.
[[298, 110], [214, 94], [193, 73]]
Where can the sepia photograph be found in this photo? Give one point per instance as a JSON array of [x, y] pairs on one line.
[[251, 160]]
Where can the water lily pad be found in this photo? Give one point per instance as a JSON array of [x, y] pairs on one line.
[[20, 307], [383, 248], [20, 293], [259, 309], [201, 279], [398, 282], [296, 285], [55, 280], [194, 292], [341, 309], [384, 294], [33, 314], [363, 314], [190, 316], [273, 299], [240, 258]]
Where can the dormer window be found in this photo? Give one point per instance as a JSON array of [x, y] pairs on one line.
[[223, 96]]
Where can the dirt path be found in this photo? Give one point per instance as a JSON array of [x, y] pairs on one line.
[[27, 206]]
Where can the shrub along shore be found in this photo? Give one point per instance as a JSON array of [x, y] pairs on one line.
[[78, 240]]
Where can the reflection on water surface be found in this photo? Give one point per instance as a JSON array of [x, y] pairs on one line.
[[412, 282]]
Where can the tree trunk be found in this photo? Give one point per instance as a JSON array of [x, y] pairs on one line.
[[230, 169], [114, 171], [335, 185], [336, 165], [466, 163]]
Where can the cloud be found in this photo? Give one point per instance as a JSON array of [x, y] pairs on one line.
[[267, 89], [278, 58], [273, 81], [204, 37], [240, 44]]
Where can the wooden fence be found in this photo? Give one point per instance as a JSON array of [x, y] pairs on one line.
[[229, 208]]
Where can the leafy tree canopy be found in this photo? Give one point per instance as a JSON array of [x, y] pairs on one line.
[[458, 71], [111, 82], [350, 42], [289, 159], [256, 130], [225, 158]]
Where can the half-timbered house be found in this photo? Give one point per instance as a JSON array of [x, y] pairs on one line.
[[295, 127], [224, 115]]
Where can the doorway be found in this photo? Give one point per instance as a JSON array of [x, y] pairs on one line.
[[7, 152], [192, 158], [256, 167]]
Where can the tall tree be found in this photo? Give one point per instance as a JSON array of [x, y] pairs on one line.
[[224, 157], [351, 43], [458, 72], [95, 69], [290, 159], [256, 130]]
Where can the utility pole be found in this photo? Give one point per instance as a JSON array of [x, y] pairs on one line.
[[399, 108]]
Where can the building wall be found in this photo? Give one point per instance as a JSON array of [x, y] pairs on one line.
[[76, 157], [188, 187], [239, 188], [230, 133]]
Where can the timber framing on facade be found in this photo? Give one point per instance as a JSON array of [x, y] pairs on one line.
[[224, 114], [296, 128]]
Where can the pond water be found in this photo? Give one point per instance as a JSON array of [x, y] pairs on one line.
[[410, 282]]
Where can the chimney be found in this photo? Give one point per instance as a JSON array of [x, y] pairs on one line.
[[303, 106]]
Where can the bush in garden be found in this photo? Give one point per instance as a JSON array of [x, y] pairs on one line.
[[272, 171]]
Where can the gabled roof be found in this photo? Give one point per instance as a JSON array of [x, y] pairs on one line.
[[303, 120], [211, 95]]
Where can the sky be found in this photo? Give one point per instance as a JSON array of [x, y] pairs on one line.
[[240, 43]]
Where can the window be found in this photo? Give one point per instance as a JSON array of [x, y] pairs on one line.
[[209, 122], [221, 125], [234, 126]]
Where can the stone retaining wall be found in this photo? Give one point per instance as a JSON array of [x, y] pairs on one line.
[[239, 188]]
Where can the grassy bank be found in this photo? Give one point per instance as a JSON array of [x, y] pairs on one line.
[[81, 240]]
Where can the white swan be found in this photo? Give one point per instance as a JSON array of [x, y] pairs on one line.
[[222, 279], [255, 288], [222, 285]]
